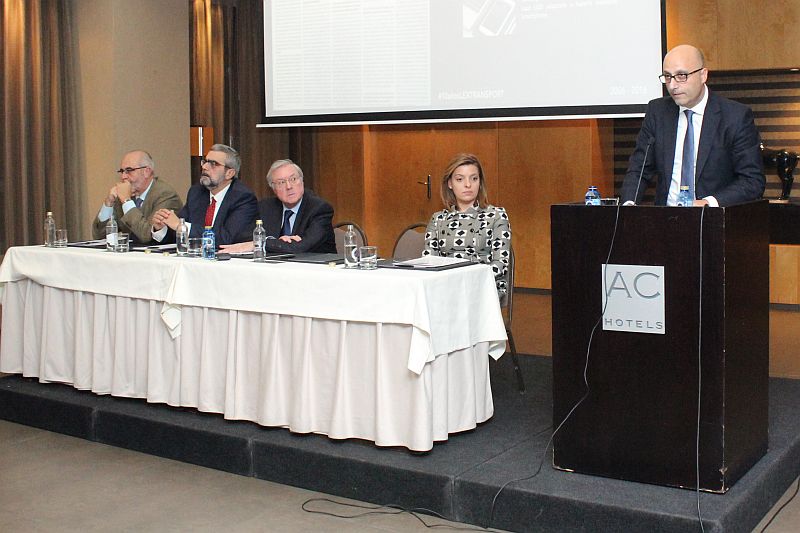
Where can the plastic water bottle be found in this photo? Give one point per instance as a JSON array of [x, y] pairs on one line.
[[592, 196], [259, 239], [350, 248], [209, 244], [49, 230], [684, 198], [111, 235], [182, 238]]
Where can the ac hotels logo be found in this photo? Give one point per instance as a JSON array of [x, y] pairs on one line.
[[633, 298]]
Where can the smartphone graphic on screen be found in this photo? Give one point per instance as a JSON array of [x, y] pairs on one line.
[[495, 17], [488, 17]]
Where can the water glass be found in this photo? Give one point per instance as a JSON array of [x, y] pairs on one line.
[[61, 238], [123, 242], [194, 247], [368, 258]]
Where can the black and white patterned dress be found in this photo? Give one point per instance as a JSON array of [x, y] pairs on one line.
[[478, 234]]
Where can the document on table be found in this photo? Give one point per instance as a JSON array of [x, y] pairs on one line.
[[432, 262]]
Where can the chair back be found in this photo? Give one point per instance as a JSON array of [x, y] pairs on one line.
[[410, 243], [507, 301], [341, 228]]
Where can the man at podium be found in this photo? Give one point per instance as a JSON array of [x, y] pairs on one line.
[[694, 137]]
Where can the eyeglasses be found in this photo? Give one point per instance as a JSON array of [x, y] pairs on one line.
[[280, 184], [212, 163], [680, 77], [129, 170]]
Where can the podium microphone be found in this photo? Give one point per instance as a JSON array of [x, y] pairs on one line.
[[650, 141]]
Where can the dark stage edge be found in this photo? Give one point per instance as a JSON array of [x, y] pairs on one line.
[[457, 479]]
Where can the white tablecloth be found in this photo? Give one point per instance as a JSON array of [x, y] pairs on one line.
[[392, 356]]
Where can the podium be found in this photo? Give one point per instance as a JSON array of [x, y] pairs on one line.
[[639, 421]]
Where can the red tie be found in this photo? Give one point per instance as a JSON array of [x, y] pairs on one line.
[[210, 212]]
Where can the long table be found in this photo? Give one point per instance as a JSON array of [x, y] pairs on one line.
[[393, 356]]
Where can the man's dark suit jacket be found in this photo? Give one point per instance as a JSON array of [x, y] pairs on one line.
[[236, 216], [728, 163], [312, 223]]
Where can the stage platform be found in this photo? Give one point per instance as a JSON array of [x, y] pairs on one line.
[[458, 478]]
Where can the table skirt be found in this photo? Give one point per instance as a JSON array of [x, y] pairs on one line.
[[334, 377]]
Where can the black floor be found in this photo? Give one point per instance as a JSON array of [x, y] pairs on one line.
[[458, 478]]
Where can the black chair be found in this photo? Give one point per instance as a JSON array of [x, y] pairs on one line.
[[341, 228], [409, 243], [507, 305]]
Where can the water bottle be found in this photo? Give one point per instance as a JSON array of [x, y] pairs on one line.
[[49, 230], [592, 196], [111, 235], [209, 244], [684, 198], [259, 239], [350, 248], [182, 238]]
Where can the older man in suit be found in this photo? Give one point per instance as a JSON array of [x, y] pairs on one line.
[[135, 198], [696, 138], [295, 220], [219, 200]]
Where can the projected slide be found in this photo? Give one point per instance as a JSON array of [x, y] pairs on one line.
[[374, 60]]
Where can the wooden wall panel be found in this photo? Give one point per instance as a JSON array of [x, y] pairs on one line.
[[783, 358], [784, 274], [340, 151], [399, 157], [758, 35], [544, 163], [694, 22], [738, 34]]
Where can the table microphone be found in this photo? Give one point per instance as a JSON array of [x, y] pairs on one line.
[[650, 141]]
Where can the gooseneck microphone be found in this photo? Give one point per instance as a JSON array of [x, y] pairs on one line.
[[650, 141]]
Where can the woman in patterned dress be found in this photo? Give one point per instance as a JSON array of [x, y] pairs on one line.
[[468, 227]]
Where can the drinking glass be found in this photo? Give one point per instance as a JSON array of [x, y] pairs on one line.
[[368, 258], [123, 242], [194, 247], [61, 238]]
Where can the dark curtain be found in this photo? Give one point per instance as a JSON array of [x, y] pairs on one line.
[[233, 29], [212, 54], [38, 120]]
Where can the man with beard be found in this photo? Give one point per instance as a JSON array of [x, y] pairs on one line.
[[219, 200], [135, 198]]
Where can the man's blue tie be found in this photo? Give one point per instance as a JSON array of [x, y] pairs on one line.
[[286, 229], [687, 165], [138, 202]]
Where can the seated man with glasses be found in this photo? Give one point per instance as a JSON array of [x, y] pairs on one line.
[[296, 220], [696, 138], [219, 200], [135, 198]]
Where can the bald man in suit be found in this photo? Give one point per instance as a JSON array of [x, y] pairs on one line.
[[135, 198], [718, 157]]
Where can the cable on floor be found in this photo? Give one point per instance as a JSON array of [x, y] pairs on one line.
[[388, 509], [782, 507]]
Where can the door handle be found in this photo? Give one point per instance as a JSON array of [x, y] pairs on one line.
[[427, 183]]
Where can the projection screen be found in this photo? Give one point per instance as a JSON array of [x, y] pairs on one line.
[[395, 61]]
